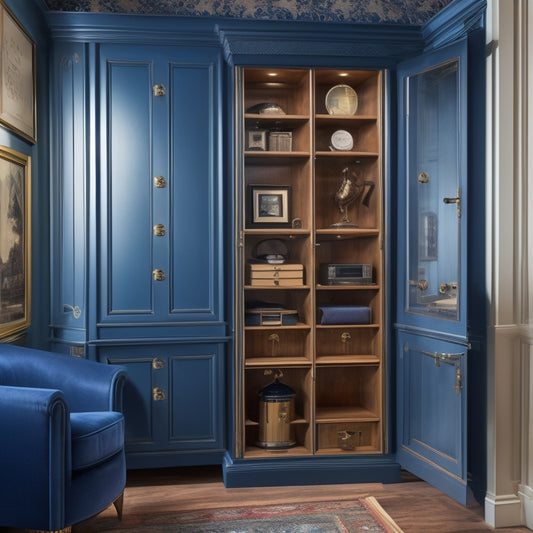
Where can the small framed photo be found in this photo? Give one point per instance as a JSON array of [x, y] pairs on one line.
[[269, 206], [17, 76], [256, 140]]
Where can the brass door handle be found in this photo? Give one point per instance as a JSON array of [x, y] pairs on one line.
[[455, 200]]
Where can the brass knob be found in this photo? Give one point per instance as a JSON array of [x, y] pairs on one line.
[[159, 230], [159, 275], [158, 394], [158, 364], [160, 182], [159, 90]]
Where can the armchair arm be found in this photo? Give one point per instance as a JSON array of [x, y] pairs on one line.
[[87, 385], [35, 458]]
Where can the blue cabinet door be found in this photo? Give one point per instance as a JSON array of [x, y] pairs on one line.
[[173, 402], [431, 317], [160, 225]]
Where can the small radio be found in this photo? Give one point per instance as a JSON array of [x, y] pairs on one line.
[[345, 274]]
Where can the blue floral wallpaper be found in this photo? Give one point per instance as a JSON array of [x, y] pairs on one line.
[[363, 11]]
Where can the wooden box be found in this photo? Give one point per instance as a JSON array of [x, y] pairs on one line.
[[268, 275]]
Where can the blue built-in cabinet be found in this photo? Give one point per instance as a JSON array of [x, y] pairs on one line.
[[145, 213], [137, 268]]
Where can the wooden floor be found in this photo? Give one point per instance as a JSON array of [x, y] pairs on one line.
[[414, 505]]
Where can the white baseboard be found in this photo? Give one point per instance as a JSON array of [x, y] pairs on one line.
[[503, 511], [526, 496]]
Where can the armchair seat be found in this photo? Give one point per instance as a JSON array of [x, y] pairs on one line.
[[96, 437], [62, 454]]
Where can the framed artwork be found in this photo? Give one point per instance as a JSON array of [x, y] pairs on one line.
[[15, 241], [269, 206], [17, 77]]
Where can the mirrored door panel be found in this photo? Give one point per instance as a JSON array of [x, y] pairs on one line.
[[434, 192]]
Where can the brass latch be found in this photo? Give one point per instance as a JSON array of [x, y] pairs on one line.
[[159, 275], [458, 381], [158, 394], [159, 230]]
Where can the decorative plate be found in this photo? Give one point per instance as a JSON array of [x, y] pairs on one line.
[[341, 100], [341, 140]]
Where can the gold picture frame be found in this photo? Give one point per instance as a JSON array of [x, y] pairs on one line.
[[15, 241], [18, 107]]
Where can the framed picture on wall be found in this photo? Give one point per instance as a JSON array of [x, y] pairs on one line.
[[17, 77], [15, 241]]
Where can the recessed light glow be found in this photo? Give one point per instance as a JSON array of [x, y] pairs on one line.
[[343, 74], [273, 74]]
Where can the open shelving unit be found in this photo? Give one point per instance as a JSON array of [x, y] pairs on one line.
[[336, 369]]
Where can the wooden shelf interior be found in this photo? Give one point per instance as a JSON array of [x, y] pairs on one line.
[[298, 300], [298, 379], [295, 176], [329, 177], [281, 344], [348, 437], [336, 371], [364, 82], [342, 342], [348, 392], [288, 88]]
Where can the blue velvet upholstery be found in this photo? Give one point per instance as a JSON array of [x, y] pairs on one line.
[[61, 438]]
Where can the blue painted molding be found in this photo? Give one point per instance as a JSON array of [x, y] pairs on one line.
[[309, 470], [381, 43], [454, 22], [118, 29]]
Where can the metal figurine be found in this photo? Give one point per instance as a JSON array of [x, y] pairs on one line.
[[351, 188]]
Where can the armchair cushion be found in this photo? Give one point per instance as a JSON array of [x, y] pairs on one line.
[[96, 436]]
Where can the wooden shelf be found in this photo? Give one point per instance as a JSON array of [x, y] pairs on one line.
[[336, 371], [360, 450], [254, 362], [256, 452], [348, 119], [344, 153], [299, 325], [345, 414], [350, 233], [337, 360], [347, 326], [367, 287]]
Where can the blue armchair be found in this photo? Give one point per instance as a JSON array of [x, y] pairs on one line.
[[62, 439]]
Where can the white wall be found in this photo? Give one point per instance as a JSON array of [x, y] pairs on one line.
[[509, 498]]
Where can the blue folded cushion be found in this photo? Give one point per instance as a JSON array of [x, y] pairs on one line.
[[96, 436], [345, 314]]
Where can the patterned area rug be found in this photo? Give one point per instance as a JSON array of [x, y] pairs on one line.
[[354, 516]]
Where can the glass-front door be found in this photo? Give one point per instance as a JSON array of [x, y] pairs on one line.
[[434, 196], [431, 339]]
